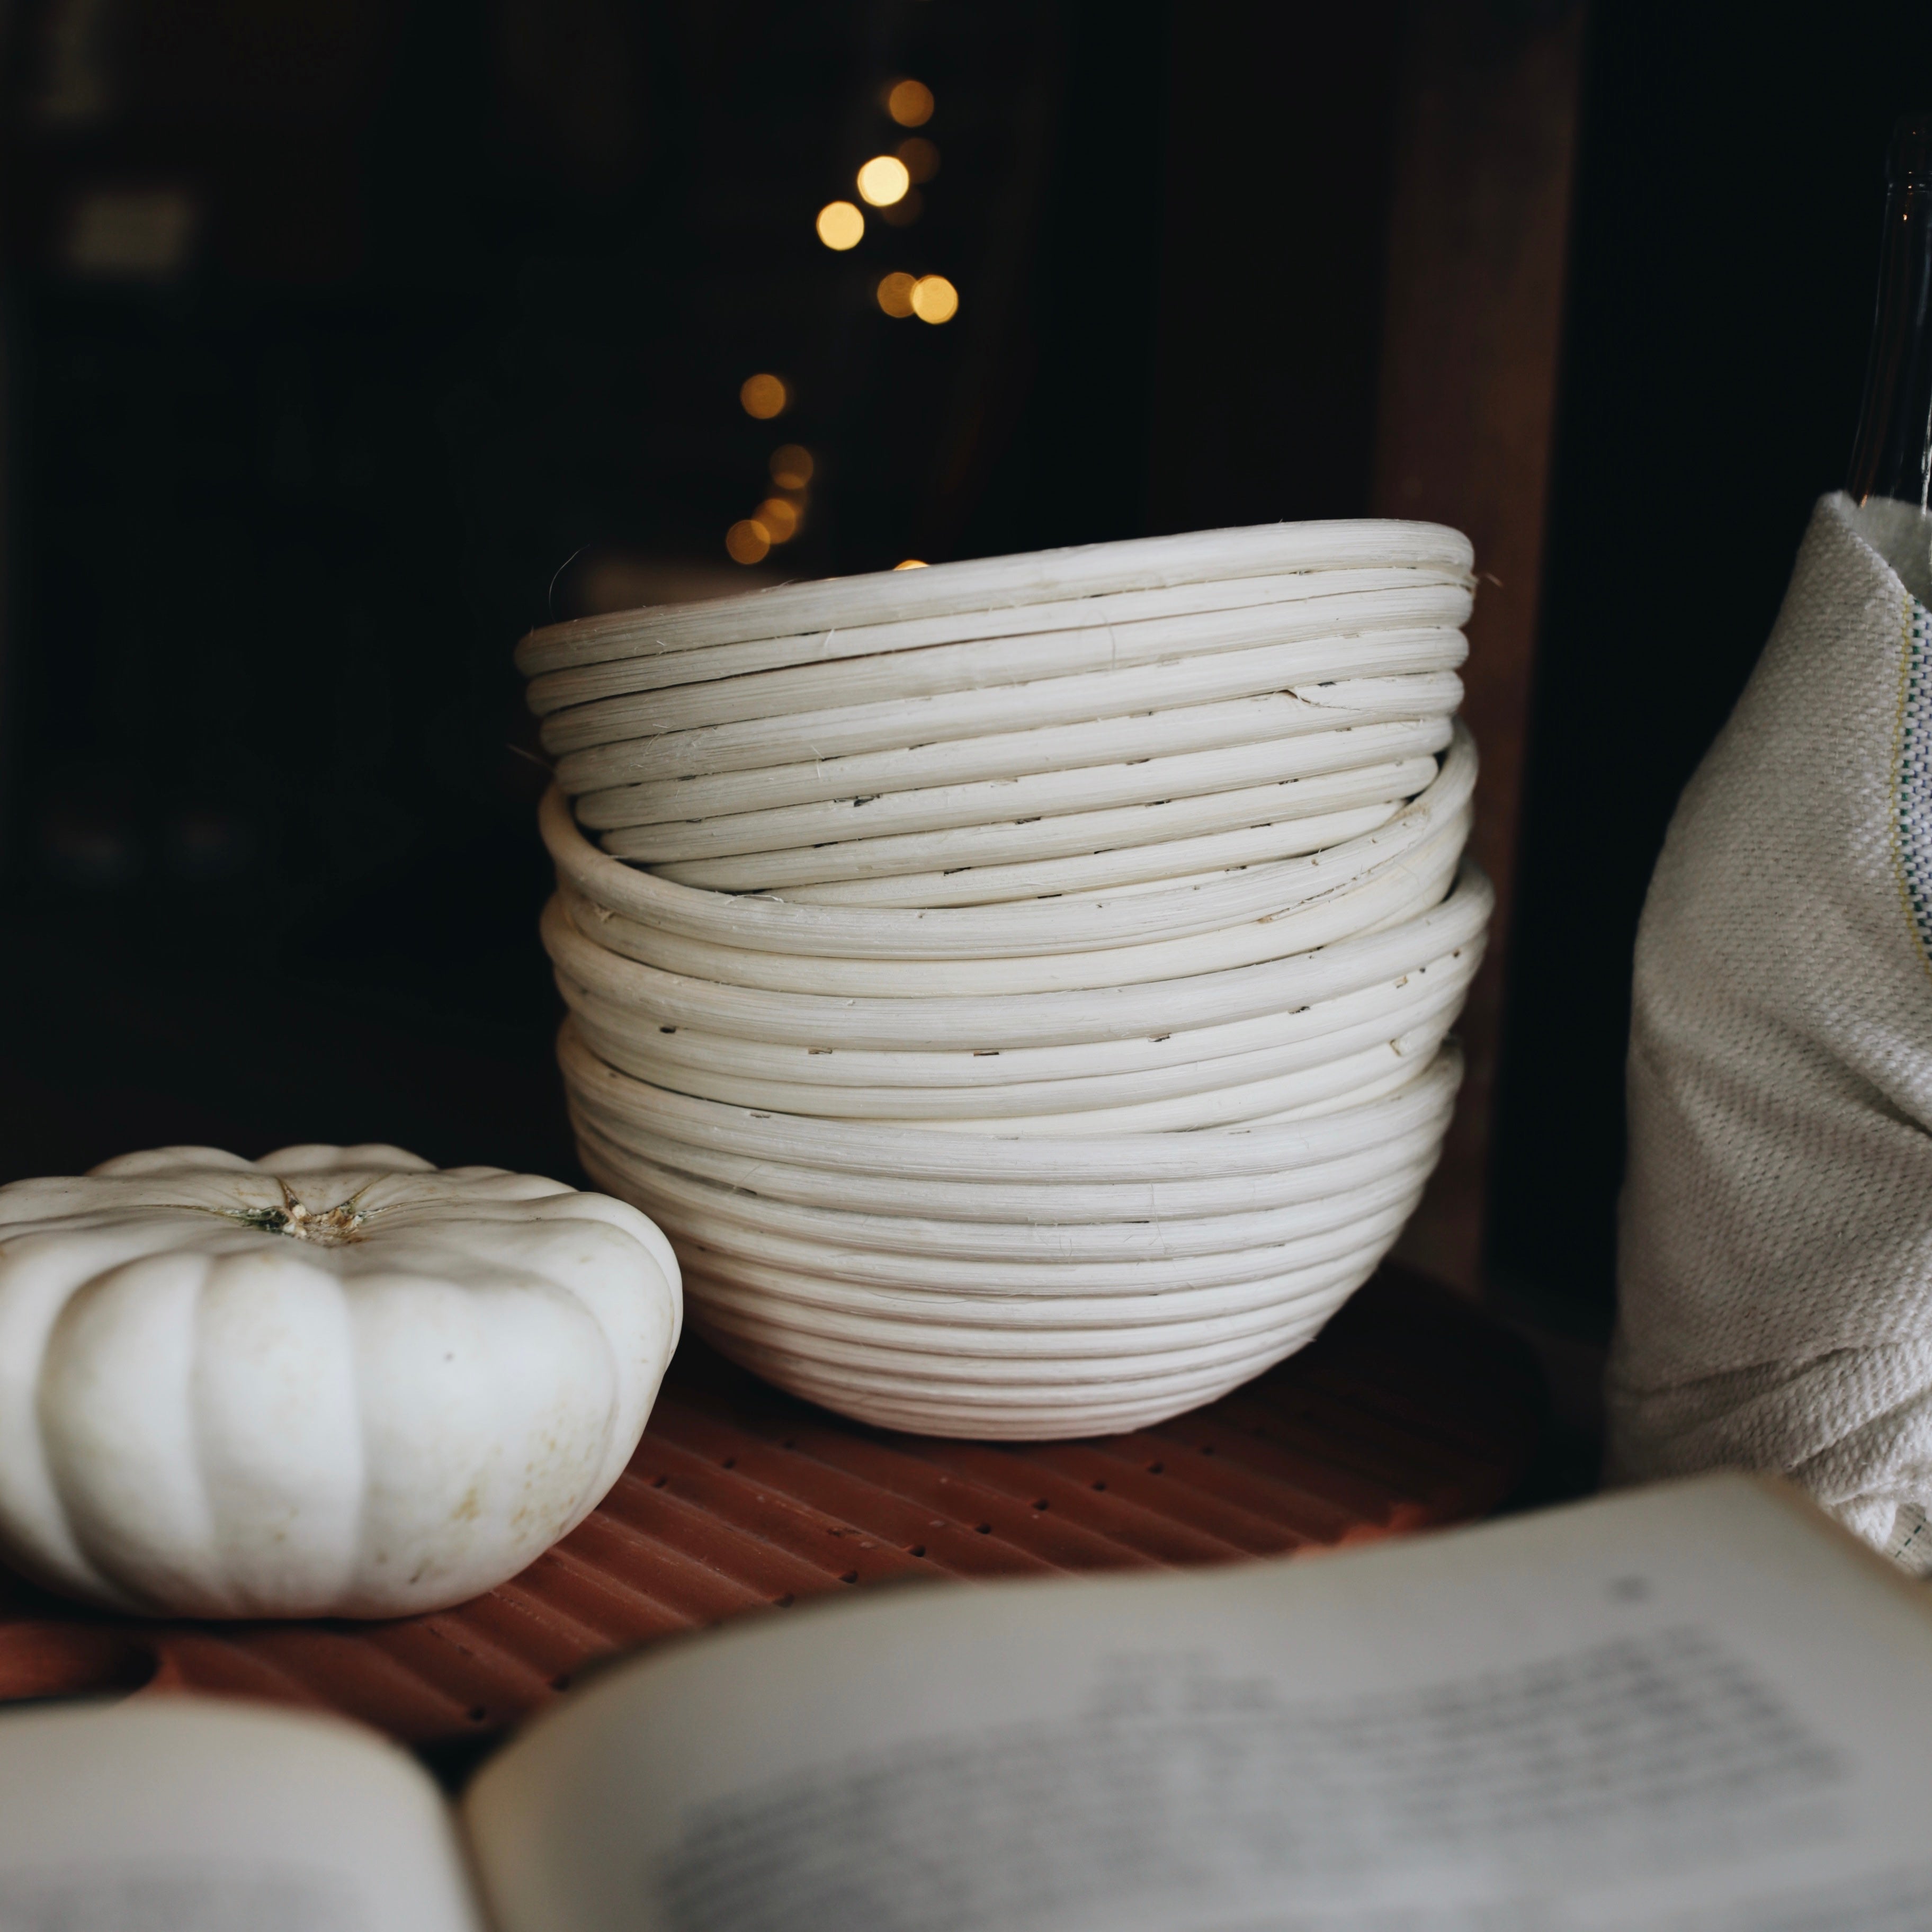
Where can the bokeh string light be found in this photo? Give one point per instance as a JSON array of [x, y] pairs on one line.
[[841, 226], [763, 396], [747, 541], [888, 184], [934, 299], [791, 466], [884, 180], [750, 539], [778, 518], [910, 103]]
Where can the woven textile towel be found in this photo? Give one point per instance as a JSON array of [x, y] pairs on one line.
[[1775, 1240]]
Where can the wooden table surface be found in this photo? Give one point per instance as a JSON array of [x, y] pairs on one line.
[[1411, 1410]]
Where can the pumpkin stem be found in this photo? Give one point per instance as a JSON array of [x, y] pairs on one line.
[[329, 1228]]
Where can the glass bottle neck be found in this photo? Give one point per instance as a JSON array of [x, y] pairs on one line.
[[1890, 474]]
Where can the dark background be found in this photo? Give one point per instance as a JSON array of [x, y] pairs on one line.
[[438, 333], [1724, 259]]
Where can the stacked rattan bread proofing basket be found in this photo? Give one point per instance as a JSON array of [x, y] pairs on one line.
[[1019, 987]]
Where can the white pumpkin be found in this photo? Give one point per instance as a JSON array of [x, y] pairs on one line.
[[334, 1381]]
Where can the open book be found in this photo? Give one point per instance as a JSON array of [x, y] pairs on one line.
[[1692, 1708]]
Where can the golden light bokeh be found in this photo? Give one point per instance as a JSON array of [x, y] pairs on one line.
[[920, 157], [904, 213], [912, 563], [841, 226], [792, 466], [763, 396], [747, 541], [910, 103], [882, 181], [934, 299], [777, 518], [895, 293]]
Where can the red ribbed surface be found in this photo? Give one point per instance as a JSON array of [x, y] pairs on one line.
[[1410, 1410]]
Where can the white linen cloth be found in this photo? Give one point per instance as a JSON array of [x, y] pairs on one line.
[[1775, 1235]]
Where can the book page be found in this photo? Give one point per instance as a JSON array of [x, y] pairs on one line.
[[176, 1814], [1686, 1708]]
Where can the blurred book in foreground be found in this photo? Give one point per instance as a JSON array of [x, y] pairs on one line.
[[1695, 1707]]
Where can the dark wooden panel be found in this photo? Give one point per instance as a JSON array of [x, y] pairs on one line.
[[1485, 141]]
